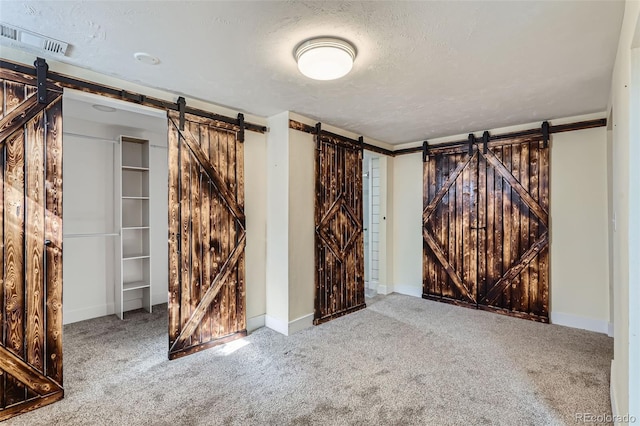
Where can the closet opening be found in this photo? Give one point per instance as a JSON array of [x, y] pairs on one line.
[[115, 173]]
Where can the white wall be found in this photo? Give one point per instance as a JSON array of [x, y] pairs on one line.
[[579, 265], [579, 230], [302, 156], [255, 209], [277, 267], [407, 224], [625, 369]]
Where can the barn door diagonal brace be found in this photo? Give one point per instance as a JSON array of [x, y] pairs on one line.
[[545, 134], [41, 77], [425, 151], [182, 105], [241, 129]]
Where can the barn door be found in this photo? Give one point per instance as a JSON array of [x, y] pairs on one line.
[[31, 245], [514, 274], [450, 221], [485, 227], [339, 233], [206, 235]]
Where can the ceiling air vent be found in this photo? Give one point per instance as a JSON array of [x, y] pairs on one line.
[[23, 39]]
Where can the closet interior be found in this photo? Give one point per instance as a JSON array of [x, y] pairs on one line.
[[115, 207]]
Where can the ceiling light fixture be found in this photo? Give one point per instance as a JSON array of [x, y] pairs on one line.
[[145, 58], [325, 58], [103, 108]]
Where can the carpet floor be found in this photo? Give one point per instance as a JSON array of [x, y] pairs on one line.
[[401, 361]]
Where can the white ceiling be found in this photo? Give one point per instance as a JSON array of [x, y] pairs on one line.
[[424, 69]]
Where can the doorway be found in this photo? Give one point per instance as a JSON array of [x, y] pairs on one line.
[[371, 221]]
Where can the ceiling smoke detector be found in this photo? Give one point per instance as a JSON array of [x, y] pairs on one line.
[[24, 39], [145, 58], [325, 58]]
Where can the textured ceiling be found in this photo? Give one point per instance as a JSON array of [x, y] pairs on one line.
[[424, 69]]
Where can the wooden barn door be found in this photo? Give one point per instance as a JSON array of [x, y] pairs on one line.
[[206, 235], [450, 243], [31, 248], [339, 233], [514, 270], [485, 227]]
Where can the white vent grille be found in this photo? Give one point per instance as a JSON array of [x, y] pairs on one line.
[[23, 39]]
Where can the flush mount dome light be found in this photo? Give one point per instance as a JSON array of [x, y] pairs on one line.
[[325, 58]]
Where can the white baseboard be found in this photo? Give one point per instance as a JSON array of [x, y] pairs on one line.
[[408, 290], [384, 289], [612, 392], [291, 327], [576, 321], [301, 323], [74, 315], [276, 324], [610, 330], [255, 323]]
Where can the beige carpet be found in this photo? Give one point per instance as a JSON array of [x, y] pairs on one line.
[[401, 361]]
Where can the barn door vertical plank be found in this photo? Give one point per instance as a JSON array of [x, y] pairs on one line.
[[2, 112], [481, 226], [525, 219], [195, 173], [454, 160], [175, 261], [185, 237], [204, 328], [516, 203], [53, 233], [491, 230], [34, 221], [443, 278], [233, 238], [240, 293], [333, 265], [544, 254], [507, 226], [433, 267], [534, 232], [2, 261], [473, 225], [426, 285], [466, 229], [216, 240], [460, 234], [14, 255]]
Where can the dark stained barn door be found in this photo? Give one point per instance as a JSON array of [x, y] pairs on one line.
[[485, 227], [31, 245], [206, 235], [339, 233]]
